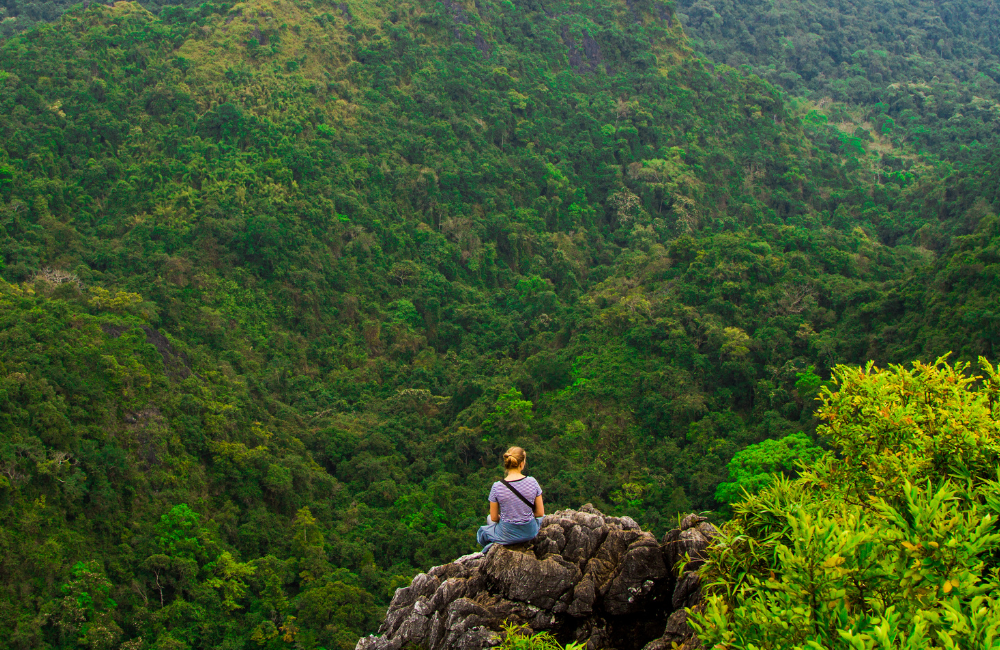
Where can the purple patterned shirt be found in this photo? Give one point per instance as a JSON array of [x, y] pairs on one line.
[[512, 509]]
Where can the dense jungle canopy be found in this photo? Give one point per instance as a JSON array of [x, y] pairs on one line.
[[279, 280]]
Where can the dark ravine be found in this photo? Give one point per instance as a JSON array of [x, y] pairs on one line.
[[586, 577]]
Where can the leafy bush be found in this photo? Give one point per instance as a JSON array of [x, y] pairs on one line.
[[515, 637], [889, 541]]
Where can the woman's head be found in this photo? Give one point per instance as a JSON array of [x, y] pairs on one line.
[[513, 457]]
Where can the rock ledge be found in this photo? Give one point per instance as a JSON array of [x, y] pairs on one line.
[[586, 577]]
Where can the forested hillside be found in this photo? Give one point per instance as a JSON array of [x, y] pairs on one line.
[[922, 73], [280, 281]]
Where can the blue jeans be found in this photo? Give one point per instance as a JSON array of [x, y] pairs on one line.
[[502, 532]]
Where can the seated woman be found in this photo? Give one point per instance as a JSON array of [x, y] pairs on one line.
[[516, 508]]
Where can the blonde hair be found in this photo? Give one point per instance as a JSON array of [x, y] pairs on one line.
[[513, 457]]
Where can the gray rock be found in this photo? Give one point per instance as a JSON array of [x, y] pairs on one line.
[[677, 626], [588, 519], [637, 573], [463, 610], [687, 593], [656, 644], [393, 618], [375, 643], [476, 639], [463, 567], [555, 535], [519, 575], [413, 629], [546, 546], [584, 595], [599, 580], [448, 591], [598, 640], [708, 530], [629, 524], [678, 635], [439, 630], [423, 585], [691, 520], [422, 607], [581, 542], [565, 522], [543, 620], [466, 616], [472, 637], [609, 556], [692, 542]]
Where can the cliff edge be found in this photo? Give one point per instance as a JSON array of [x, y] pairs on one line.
[[586, 577]]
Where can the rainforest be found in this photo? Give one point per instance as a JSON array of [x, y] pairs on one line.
[[280, 280]]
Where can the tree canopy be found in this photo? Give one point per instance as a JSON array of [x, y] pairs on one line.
[[281, 280]]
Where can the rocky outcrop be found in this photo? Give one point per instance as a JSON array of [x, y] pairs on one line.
[[586, 577]]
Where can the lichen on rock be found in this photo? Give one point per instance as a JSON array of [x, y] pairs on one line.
[[587, 577]]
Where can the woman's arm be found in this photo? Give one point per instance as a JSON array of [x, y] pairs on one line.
[[539, 506], [495, 511]]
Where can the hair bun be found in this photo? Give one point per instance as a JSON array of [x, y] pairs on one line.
[[513, 457]]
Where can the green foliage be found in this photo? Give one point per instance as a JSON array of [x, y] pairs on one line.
[[282, 280], [511, 416], [180, 535], [923, 74], [84, 615], [948, 303], [808, 384], [517, 638], [864, 550], [753, 467], [911, 425]]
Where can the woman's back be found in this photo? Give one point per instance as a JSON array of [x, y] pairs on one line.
[[513, 509], [516, 507]]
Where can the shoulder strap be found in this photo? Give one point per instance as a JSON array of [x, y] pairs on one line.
[[519, 495]]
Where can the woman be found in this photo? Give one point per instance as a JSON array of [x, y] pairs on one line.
[[516, 508]]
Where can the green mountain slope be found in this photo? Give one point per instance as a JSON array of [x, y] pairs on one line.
[[924, 73], [282, 279]]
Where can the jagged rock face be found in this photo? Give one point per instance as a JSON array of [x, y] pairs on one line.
[[586, 577]]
